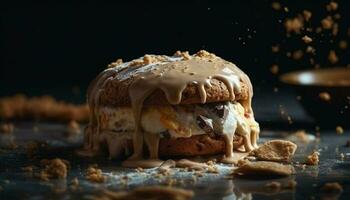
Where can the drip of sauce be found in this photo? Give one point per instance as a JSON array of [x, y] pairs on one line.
[[172, 77]]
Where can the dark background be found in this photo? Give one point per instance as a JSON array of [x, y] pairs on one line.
[[61, 46]]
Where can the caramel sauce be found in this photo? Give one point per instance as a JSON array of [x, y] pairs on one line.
[[171, 75]]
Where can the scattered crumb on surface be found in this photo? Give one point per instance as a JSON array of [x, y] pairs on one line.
[[94, 174], [275, 150], [306, 39], [334, 187], [263, 168], [324, 96], [313, 159], [339, 130], [73, 128], [6, 128], [54, 169], [332, 57], [148, 192], [275, 48], [44, 107], [184, 54], [28, 168], [311, 50], [300, 136]]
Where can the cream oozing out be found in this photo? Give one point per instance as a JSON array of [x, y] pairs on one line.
[[171, 75]]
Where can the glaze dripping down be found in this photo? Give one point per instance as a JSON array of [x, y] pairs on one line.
[[172, 75]]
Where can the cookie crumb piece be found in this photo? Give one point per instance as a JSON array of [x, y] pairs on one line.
[[307, 15], [28, 168], [275, 48], [73, 128], [332, 6], [334, 187], [275, 150], [276, 5], [298, 54], [184, 54], [293, 25], [54, 169], [263, 168], [115, 63], [274, 69], [327, 23], [343, 44], [339, 130], [6, 128], [324, 96], [94, 174], [306, 39], [313, 159]]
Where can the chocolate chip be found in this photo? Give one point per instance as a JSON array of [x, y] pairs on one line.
[[205, 124], [221, 111]]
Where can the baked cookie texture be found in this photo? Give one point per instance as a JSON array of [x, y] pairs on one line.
[[181, 105]]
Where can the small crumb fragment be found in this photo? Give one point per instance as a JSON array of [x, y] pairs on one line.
[[300, 136], [334, 187], [276, 6], [339, 130], [335, 29], [54, 169], [293, 25], [343, 44], [73, 128], [307, 15], [274, 69], [275, 150], [74, 184], [342, 156], [332, 6], [115, 63], [94, 174], [275, 48], [311, 50], [6, 128], [306, 39], [324, 96], [184, 54], [313, 159], [147, 59], [327, 22], [297, 55], [263, 168]]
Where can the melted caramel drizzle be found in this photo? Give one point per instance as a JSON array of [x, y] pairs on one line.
[[172, 77]]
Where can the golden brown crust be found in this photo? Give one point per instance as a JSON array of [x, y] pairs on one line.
[[193, 146], [117, 94]]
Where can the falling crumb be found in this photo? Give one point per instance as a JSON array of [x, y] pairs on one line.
[[337, 16], [6, 128], [343, 44], [274, 69], [332, 57], [73, 128], [313, 159], [334, 187], [293, 25], [310, 49], [297, 55], [339, 130], [286, 9], [115, 63], [94, 174], [307, 39], [276, 6], [275, 48], [327, 22], [54, 169], [324, 96], [335, 29], [332, 6], [307, 15], [300, 136]]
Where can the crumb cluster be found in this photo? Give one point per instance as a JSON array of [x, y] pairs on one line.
[[54, 169], [94, 174]]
